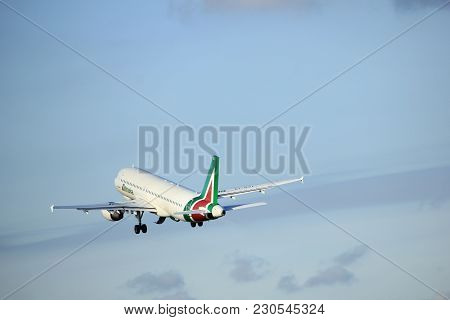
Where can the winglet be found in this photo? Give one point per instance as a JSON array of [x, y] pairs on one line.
[[52, 208], [301, 179]]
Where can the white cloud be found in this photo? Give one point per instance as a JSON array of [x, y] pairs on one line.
[[247, 268], [351, 256], [289, 284], [332, 275], [165, 282]]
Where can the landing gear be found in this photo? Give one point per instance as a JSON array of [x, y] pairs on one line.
[[140, 227], [193, 224]]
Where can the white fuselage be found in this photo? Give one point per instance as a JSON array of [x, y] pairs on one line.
[[166, 196]]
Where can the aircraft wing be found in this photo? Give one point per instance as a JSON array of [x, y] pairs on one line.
[[231, 193], [137, 205]]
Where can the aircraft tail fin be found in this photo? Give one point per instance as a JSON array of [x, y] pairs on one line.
[[208, 198]]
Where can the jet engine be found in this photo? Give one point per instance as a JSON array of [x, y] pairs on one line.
[[216, 212], [112, 215]]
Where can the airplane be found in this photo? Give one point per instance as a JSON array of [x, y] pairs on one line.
[[146, 192]]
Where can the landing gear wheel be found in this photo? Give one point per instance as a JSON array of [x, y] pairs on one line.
[[193, 224], [200, 224], [140, 227]]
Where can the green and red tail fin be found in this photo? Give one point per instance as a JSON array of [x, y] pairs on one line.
[[208, 198]]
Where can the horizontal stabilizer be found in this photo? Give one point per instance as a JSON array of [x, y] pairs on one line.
[[244, 206], [231, 193], [191, 215]]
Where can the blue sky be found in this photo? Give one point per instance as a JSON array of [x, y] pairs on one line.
[[378, 151]]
